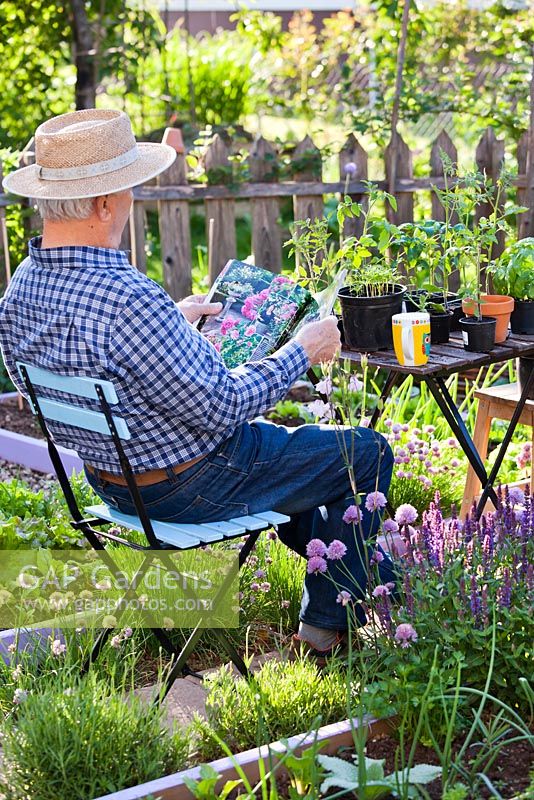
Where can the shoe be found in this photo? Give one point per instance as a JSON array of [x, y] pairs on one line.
[[298, 648]]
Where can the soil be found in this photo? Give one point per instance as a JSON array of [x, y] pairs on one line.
[[12, 418], [509, 773]]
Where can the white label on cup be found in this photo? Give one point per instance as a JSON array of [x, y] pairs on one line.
[[465, 337]]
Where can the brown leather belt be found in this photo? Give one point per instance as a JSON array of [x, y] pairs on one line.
[[144, 478]]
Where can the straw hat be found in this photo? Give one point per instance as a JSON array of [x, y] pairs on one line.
[[86, 154]]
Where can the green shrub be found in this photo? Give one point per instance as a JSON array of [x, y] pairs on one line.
[[83, 742], [282, 699]]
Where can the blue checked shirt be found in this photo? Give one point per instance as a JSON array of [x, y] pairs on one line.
[[88, 311]]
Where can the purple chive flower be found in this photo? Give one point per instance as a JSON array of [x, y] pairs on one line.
[[336, 550], [381, 590], [406, 514], [390, 526], [352, 514], [405, 634], [350, 169], [260, 573], [344, 598], [376, 558], [375, 501], [265, 586], [316, 547], [316, 565], [516, 496]]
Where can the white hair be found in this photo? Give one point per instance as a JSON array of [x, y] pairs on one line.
[[58, 210]]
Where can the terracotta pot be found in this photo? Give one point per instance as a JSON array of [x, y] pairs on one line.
[[493, 305]]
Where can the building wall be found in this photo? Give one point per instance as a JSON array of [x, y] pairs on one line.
[[211, 20]]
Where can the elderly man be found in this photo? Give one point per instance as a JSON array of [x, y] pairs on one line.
[[77, 306]]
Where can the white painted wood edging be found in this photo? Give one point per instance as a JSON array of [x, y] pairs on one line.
[[172, 787], [33, 453]]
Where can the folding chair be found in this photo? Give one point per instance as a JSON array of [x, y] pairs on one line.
[[159, 535]]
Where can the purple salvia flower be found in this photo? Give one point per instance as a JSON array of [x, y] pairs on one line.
[[408, 594], [383, 611], [484, 604], [475, 600], [505, 594]]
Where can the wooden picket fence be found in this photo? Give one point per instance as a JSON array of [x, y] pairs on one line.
[[173, 196]]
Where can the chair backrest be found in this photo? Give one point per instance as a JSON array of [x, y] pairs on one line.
[[68, 413]]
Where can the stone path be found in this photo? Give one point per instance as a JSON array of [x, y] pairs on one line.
[[188, 695]]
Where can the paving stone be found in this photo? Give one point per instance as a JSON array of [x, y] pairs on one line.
[[184, 700]]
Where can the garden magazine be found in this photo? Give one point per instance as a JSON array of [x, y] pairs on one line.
[[261, 311]]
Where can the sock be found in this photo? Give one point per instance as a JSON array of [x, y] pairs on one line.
[[320, 638]]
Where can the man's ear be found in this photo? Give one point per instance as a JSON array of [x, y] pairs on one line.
[[102, 208]]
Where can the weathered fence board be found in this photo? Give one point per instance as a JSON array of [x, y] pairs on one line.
[[172, 195], [222, 212], [490, 158], [443, 144], [174, 227], [398, 151], [352, 164], [266, 235]]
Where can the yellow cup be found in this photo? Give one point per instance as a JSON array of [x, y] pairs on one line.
[[411, 338]]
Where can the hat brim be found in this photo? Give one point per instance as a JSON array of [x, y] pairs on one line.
[[153, 159]]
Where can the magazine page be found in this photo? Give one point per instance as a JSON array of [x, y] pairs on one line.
[[259, 309]]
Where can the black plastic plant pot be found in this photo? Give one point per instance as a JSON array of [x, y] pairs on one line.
[[524, 368], [440, 327], [522, 319], [367, 319], [411, 299], [457, 313], [478, 334]]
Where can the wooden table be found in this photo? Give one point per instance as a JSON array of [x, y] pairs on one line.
[[445, 360]]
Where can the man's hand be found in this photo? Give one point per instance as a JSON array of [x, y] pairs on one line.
[[321, 340], [194, 307]]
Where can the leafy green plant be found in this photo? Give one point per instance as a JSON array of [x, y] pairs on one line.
[[83, 741], [375, 784], [513, 271], [281, 699]]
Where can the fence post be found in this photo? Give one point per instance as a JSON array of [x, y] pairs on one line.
[[5, 271], [174, 224], [398, 153], [525, 197], [307, 165], [266, 239], [222, 212], [353, 166], [489, 160], [443, 142], [32, 223]]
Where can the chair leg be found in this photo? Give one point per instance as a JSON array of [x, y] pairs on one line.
[[98, 644], [480, 440], [231, 651]]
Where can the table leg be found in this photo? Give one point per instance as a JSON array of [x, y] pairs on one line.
[[487, 487], [391, 380], [441, 395]]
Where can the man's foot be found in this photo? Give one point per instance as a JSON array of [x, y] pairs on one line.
[[299, 648]]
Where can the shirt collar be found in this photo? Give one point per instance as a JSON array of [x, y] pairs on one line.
[[76, 256]]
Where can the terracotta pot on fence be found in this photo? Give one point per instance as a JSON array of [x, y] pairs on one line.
[[493, 305]]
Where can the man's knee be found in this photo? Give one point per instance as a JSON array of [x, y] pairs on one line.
[[372, 452]]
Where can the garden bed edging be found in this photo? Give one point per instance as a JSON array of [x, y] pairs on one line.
[[33, 453], [172, 787]]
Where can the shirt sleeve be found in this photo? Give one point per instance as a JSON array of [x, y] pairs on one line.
[[175, 368]]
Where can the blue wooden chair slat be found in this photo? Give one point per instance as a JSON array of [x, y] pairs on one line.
[[273, 517], [163, 530], [226, 528], [82, 418], [251, 523], [80, 387]]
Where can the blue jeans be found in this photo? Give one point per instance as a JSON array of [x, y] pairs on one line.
[[300, 472]]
